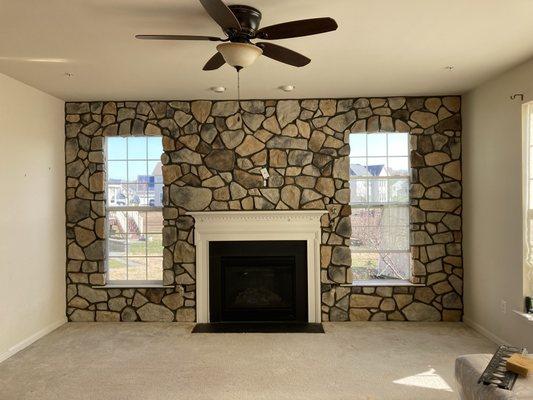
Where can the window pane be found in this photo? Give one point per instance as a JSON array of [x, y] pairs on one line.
[[117, 194], [357, 145], [117, 268], [137, 171], [116, 245], [376, 166], [377, 144], [358, 191], [136, 245], [155, 148], [117, 222], [381, 265], [398, 190], [137, 268], [117, 171], [116, 148], [377, 190], [154, 222], [398, 144], [398, 166], [154, 244], [358, 167], [155, 268], [137, 148]]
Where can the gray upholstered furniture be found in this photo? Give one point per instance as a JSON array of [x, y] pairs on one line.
[[467, 371]]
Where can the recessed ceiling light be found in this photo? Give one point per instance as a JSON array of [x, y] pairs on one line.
[[287, 88], [218, 89], [449, 68]]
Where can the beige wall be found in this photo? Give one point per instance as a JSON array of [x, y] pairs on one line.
[[32, 217], [492, 165]]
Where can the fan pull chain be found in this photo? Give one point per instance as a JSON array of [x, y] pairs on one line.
[[239, 86]]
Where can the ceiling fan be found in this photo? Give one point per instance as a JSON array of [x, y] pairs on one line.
[[241, 25]]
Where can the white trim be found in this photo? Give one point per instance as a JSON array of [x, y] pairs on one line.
[[257, 225], [31, 339], [484, 331], [527, 316], [383, 282]]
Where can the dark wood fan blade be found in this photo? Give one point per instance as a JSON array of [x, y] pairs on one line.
[[214, 62], [178, 37], [221, 14], [283, 54], [299, 28]]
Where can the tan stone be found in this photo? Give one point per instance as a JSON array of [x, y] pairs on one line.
[[291, 196], [447, 205], [84, 237], [359, 314], [328, 107], [234, 122], [171, 173], [278, 158], [250, 145], [201, 109], [403, 299], [452, 103], [424, 119], [453, 170], [364, 301], [271, 124], [436, 158], [96, 182]]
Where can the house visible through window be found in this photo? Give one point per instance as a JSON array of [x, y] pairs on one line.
[[379, 186], [134, 209]]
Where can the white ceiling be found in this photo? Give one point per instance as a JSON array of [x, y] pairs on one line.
[[386, 47]]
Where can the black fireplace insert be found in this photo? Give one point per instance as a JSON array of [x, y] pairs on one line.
[[258, 281]]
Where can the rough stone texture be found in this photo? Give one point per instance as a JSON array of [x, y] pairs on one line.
[[213, 153]]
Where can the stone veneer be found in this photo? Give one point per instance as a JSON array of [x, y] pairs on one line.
[[213, 151]]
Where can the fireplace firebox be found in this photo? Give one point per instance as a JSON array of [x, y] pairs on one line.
[[258, 281]]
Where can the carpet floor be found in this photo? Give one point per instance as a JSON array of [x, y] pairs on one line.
[[156, 361]]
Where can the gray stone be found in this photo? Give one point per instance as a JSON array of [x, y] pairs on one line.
[[92, 295], [287, 111], [342, 121], [253, 121], [190, 198], [224, 108], [78, 209], [128, 315], [155, 313], [232, 139], [341, 255], [421, 312], [285, 142], [220, 160]]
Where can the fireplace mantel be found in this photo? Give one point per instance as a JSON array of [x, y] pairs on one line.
[[213, 226]]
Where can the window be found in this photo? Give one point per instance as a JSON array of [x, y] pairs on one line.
[[134, 209], [379, 186], [528, 198]]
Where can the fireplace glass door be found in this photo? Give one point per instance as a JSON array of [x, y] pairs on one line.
[[258, 281]]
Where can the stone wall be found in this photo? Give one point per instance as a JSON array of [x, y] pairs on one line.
[[213, 153]]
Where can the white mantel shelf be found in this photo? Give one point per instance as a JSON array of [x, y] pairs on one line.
[[211, 226]]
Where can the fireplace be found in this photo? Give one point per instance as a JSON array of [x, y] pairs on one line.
[[258, 281], [246, 228]]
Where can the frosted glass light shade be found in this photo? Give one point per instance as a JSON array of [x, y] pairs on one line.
[[239, 54]]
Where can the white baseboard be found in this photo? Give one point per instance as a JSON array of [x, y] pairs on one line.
[[33, 338], [484, 331]]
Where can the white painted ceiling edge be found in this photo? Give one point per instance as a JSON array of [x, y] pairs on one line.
[[384, 48]]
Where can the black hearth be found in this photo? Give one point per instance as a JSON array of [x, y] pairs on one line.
[[258, 281]]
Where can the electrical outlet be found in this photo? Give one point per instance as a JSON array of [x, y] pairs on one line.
[[503, 306]]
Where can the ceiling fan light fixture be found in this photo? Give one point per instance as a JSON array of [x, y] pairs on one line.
[[239, 54]]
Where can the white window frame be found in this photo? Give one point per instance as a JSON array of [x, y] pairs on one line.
[[377, 204], [109, 208], [527, 186]]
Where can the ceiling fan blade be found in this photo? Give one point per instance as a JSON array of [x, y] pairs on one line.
[[178, 37], [283, 54], [299, 28], [214, 62], [221, 14]]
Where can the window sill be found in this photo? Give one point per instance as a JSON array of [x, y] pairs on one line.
[[528, 317], [383, 282], [148, 285]]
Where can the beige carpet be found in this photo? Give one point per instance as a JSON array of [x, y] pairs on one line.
[[114, 361]]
